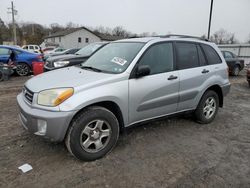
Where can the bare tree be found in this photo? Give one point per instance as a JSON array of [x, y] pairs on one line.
[[223, 37], [120, 31], [248, 40]]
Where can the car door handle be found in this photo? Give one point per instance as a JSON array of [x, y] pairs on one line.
[[172, 77], [205, 71]]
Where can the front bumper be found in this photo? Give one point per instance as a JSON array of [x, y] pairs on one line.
[[225, 89], [57, 123]]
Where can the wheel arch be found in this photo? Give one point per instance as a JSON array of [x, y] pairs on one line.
[[217, 89], [110, 105]]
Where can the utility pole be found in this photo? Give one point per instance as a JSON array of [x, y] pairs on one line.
[[210, 18], [13, 12]]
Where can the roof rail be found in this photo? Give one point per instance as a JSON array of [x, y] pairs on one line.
[[184, 36]]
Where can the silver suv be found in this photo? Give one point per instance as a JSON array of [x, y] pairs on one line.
[[124, 83]]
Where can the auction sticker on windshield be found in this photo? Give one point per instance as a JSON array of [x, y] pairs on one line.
[[119, 61]]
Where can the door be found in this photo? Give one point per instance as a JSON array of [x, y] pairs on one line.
[[156, 94], [231, 59], [4, 55], [193, 71]]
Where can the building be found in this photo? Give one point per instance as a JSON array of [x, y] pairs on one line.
[[77, 38], [241, 50]]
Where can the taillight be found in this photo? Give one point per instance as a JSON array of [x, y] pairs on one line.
[[39, 57]]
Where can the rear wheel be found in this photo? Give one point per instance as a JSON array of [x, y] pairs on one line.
[[236, 70], [22, 69], [207, 107], [92, 134]]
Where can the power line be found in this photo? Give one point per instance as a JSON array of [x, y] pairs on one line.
[[13, 12]]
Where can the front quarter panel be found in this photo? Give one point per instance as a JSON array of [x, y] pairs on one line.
[[115, 91]]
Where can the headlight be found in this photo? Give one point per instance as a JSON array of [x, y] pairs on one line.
[[54, 97], [60, 63]]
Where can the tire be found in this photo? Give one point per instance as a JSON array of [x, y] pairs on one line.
[[22, 69], [236, 70], [207, 107], [1, 76], [92, 134]]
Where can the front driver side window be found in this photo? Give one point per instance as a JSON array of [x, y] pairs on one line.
[[159, 58]]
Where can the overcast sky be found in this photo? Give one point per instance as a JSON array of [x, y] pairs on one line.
[[161, 16]]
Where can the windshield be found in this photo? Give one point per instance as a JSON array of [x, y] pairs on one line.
[[88, 50], [114, 57]]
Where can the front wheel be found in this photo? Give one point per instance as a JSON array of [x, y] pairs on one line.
[[207, 107], [22, 69], [93, 133]]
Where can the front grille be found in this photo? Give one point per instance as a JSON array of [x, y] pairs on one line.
[[28, 94]]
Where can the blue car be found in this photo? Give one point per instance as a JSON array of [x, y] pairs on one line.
[[23, 59]]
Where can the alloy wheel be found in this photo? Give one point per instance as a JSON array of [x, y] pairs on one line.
[[22, 70], [209, 107], [95, 136]]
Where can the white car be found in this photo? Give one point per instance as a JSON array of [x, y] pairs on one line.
[[32, 48]]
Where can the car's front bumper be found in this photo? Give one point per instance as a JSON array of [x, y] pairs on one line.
[[225, 89], [33, 119]]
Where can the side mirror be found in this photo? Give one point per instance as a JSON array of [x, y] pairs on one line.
[[142, 70]]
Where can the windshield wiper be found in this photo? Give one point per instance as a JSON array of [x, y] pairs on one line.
[[91, 68]]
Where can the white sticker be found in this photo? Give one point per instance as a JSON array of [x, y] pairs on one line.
[[25, 168], [119, 61]]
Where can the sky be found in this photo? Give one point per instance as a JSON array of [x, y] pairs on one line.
[[188, 17]]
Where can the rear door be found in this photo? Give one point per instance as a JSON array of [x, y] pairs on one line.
[[193, 70], [4, 54], [155, 94]]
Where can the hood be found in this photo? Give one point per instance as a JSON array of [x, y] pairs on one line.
[[61, 57], [67, 77]]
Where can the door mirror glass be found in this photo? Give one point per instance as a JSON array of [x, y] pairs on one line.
[[142, 70]]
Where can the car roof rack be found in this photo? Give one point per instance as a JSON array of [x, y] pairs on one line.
[[184, 36]]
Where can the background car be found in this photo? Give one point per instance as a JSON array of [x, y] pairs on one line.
[[74, 59], [58, 49], [235, 64], [23, 59], [32, 48], [68, 51]]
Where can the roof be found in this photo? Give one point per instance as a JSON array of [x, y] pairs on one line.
[[69, 31], [14, 48], [160, 38], [234, 45], [140, 39]]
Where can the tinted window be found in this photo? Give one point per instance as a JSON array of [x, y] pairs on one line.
[[202, 58], [228, 55], [31, 47], [187, 56], [212, 56], [159, 58], [4, 51]]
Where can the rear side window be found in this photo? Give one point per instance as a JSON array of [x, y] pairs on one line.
[[211, 54], [202, 58], [228, 55], [187, 56], [4, 51]]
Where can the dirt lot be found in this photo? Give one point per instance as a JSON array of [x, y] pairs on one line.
[[175, 152]]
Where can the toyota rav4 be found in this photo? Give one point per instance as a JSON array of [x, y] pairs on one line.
[[124, 83]]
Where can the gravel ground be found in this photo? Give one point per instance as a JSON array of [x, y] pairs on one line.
[[175, 152]]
